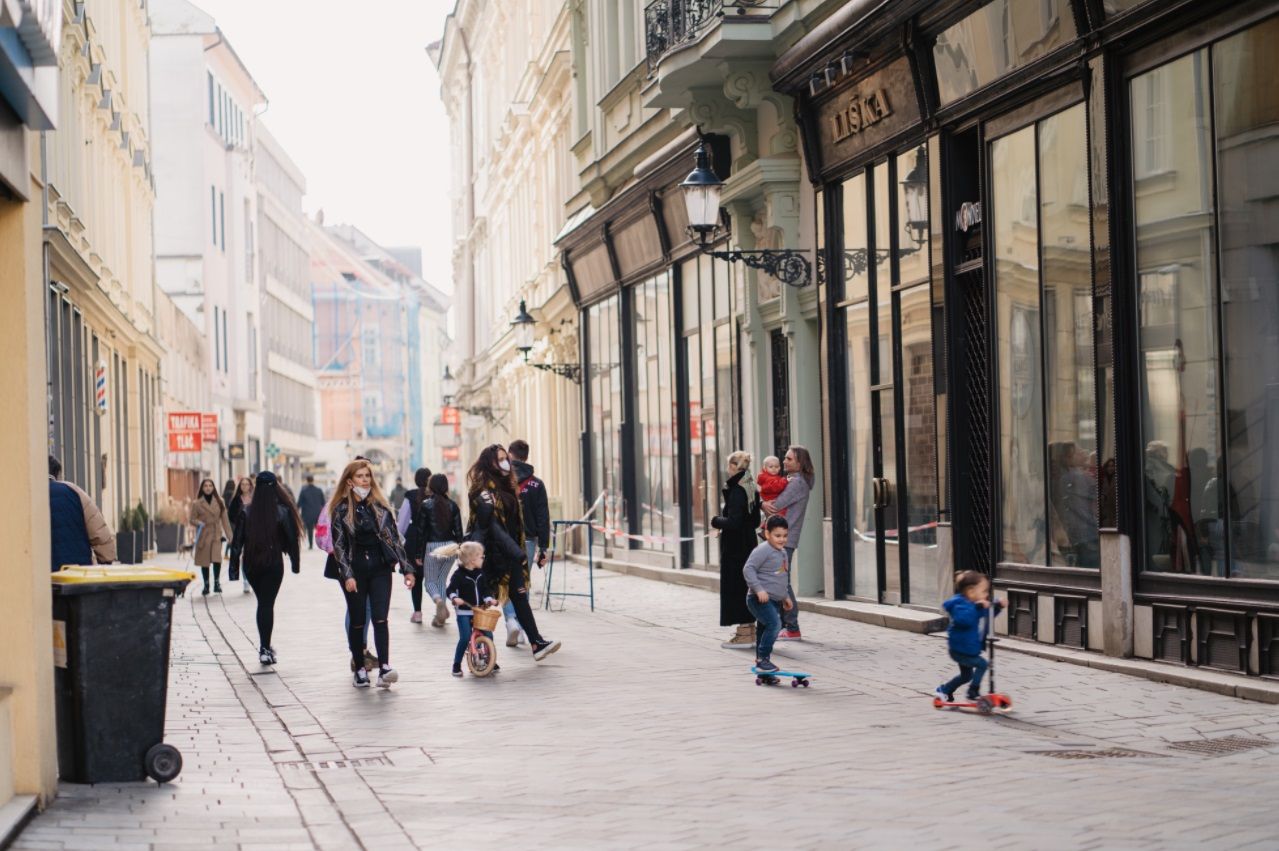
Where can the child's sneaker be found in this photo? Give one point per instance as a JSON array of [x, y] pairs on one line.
[[361, 678], [941, 695], [972, 696], [457, 669], [789, 635], [766, 666]]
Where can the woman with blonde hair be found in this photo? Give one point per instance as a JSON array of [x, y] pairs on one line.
[[366, 549], [212, 527], [737, 524]]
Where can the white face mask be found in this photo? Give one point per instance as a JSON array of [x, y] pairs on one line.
[[362, 493], [505, 465]]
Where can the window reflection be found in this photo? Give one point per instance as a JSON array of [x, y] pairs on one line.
[[996, 39], [654, 433], [606, 406], [1021, 421], [1245, 68]]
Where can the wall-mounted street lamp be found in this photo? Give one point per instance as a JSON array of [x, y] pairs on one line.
[[523, 325], [915, 200], [702, 190], [448, 390]]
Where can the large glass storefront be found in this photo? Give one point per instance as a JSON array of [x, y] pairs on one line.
[[713, 400], [655, 413], [604, 371], [1046, 389], [1204, 152], [891, 448]]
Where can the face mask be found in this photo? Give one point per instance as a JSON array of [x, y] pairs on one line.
[[505, 466], [362, 493]]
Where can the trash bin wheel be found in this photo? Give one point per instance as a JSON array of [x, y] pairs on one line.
[[163, 763]]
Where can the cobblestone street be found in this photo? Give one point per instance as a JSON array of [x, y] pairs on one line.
[[642, 731]]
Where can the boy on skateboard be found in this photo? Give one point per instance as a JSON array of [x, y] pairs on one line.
[[766, 571], [965, 636]]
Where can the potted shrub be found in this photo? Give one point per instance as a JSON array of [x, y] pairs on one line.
[[168, 527], [124, 538], [142, 527]]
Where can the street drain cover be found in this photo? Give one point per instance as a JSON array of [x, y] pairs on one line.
[[1100, 753], [1222, 746]]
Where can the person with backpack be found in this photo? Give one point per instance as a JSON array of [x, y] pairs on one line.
[[406, 519], [438, 524], [537, 525]]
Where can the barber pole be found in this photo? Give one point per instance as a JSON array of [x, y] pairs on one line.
[[100, 387]]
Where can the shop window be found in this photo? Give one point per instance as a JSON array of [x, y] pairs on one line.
[[1047, 393], [997, 39], [1223, 639], [1172, 634], [713, 391], [655, 428], [1208, 278], [1071, 621], [1023, 614], [605, 376]]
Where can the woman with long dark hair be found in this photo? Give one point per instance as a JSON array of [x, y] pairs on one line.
[[239, 503], [800, 474], [497, 523], [268, 529], [438, 523], [212, 527], [366, 549]]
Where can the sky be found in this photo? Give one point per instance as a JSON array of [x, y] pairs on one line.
[[355, 101]]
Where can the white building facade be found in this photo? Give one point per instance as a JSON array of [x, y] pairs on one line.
[[287, 312], [205, 101]]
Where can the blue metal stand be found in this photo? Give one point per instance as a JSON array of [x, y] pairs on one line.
[[550, 567]]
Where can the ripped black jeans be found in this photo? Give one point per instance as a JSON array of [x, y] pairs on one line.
[[372, 593]]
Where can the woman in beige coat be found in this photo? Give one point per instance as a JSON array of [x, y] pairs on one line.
[[209, 517]]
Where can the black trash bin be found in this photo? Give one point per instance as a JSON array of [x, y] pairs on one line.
[[111, 629]]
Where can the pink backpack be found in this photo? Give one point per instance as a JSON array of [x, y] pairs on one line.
[[323, 532]]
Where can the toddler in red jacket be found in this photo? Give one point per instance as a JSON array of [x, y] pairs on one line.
[[771, 484]]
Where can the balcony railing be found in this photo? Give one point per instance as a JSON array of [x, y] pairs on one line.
[[671, 23]]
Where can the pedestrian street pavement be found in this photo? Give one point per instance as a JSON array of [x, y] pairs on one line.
[[642, 732]]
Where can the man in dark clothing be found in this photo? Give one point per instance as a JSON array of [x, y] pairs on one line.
[[78, 532], [397, 493], [537, 515], [310, 504]]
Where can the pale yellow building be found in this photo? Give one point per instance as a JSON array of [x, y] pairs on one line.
[[29, 38], [100, 276]]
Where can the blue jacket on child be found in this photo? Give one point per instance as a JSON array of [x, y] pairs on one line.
[[965, 633]]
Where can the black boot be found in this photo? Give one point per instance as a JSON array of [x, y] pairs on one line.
[[204, 571], [217, 578]]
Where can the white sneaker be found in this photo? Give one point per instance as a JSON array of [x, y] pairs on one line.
[[360, 678], [512, 632], [387, 676]]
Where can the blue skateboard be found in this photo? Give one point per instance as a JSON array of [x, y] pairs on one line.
[[772, 678]]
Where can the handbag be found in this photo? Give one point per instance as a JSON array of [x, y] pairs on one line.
[[324, 531]]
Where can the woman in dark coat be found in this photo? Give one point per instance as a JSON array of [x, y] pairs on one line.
[[737, 525], [497, 523], [265, 532], [438, 522]]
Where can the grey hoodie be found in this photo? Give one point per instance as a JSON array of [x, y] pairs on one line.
[[766, 570]]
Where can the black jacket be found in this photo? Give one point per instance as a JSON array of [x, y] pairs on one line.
[[310, 504], [738, 524], [423, 530], [470, 587], [344, 543], [537, 515], [289, 540], [503, 543]]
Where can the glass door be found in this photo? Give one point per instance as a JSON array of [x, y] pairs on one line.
[[892, 438]]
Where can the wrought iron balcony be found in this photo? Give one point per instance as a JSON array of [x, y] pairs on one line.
[[669, 24]]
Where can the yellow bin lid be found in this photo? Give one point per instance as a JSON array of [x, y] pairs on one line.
[[111, 574]]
